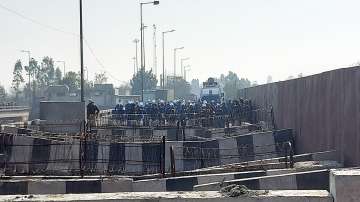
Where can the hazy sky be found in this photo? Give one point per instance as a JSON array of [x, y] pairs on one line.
[[254, 38]]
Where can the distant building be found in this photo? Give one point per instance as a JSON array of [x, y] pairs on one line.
[[103, 95], [60, 93], [195, 87]]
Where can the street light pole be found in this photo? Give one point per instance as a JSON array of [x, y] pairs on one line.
[[186, 68], [175, 50], [134, 58], [142, 46], [136, 41], [163, 54], [29, 55], [82, 99], [182, 66]]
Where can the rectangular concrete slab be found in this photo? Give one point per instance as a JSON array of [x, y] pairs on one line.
[[345, 185], [271, 196]]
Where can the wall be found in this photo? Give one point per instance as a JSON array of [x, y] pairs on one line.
[[322, 109]]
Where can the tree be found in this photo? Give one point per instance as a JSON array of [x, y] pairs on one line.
[[100, 78], [58, 76], [182, 88], [2, 94], [72, 80], [269, 79], [17, 78], [150, 82], [47, 72], [232, 84]]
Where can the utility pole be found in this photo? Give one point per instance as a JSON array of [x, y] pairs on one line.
[[82, 99], [136, 41], [155, 46], [134, 58], [142, 45], [163, 56], [182, 66], [174, 79]]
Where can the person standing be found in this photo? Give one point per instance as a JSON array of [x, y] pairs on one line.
[[92, 111]]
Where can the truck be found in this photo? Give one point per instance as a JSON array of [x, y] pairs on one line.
[[211, 91]]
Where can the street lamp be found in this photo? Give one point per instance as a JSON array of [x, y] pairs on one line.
[[142, 45], [182, 66], [82, 98], [134, 58], [163, 50], [29, 55], [136, 41], [63, 62], [186, 68], [175, 50]]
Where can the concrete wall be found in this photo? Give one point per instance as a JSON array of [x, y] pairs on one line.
[[311, 180], [194, 155], [323, 110], [62, 117], [58, 186]]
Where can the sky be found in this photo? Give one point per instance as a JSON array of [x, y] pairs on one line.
[[253, 38]]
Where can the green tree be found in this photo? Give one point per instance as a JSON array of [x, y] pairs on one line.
[[182, 88], [100, 78], [72, 80], [232, 84], [58, 76], [150, 82], [17, 78], [2, 94], [47, 72]]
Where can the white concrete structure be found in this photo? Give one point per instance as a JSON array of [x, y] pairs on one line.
[[345, 185]]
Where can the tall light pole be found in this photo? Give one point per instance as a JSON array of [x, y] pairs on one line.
[[82, 99], [186, 68], [163, 57], [142, 45], [64, 65], [182, 66], [136, 41], [175, 50], [134, 58], [29, 55]]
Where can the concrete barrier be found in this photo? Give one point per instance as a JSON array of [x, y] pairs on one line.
[[312, 180], [344, 185], [273, 196], [59, 186], [191, 155]]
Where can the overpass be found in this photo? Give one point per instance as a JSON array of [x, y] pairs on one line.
[[10, 114]]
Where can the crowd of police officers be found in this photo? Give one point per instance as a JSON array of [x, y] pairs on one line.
[[179, 110]]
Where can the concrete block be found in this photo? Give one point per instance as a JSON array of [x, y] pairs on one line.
[[117, 185], [47, 187], [344, 185], [133, 158], [21, 153], [281, 182], [157, 185], [264, 146], [228, 151]]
